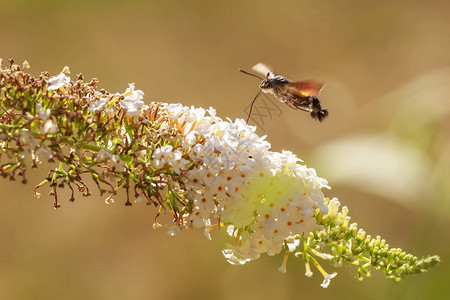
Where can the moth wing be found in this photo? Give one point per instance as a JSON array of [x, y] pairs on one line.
[[306, 88], [263, 69]]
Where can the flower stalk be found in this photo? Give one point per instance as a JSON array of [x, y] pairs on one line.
[[208, 173]]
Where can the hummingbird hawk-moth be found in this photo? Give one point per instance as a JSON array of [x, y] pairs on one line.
[[297, 95]]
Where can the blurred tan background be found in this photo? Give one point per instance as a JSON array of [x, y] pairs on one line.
[[384, 149]]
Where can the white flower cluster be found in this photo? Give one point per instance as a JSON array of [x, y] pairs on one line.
[[265, 198], [132, 101], [58, 82]]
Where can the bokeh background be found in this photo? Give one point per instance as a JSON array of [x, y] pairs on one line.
[[384, 149]]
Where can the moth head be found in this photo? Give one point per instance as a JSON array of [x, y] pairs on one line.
[[266, 83]]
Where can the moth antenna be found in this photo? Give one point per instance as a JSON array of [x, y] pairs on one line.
[[251, 106], [245, 72]]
